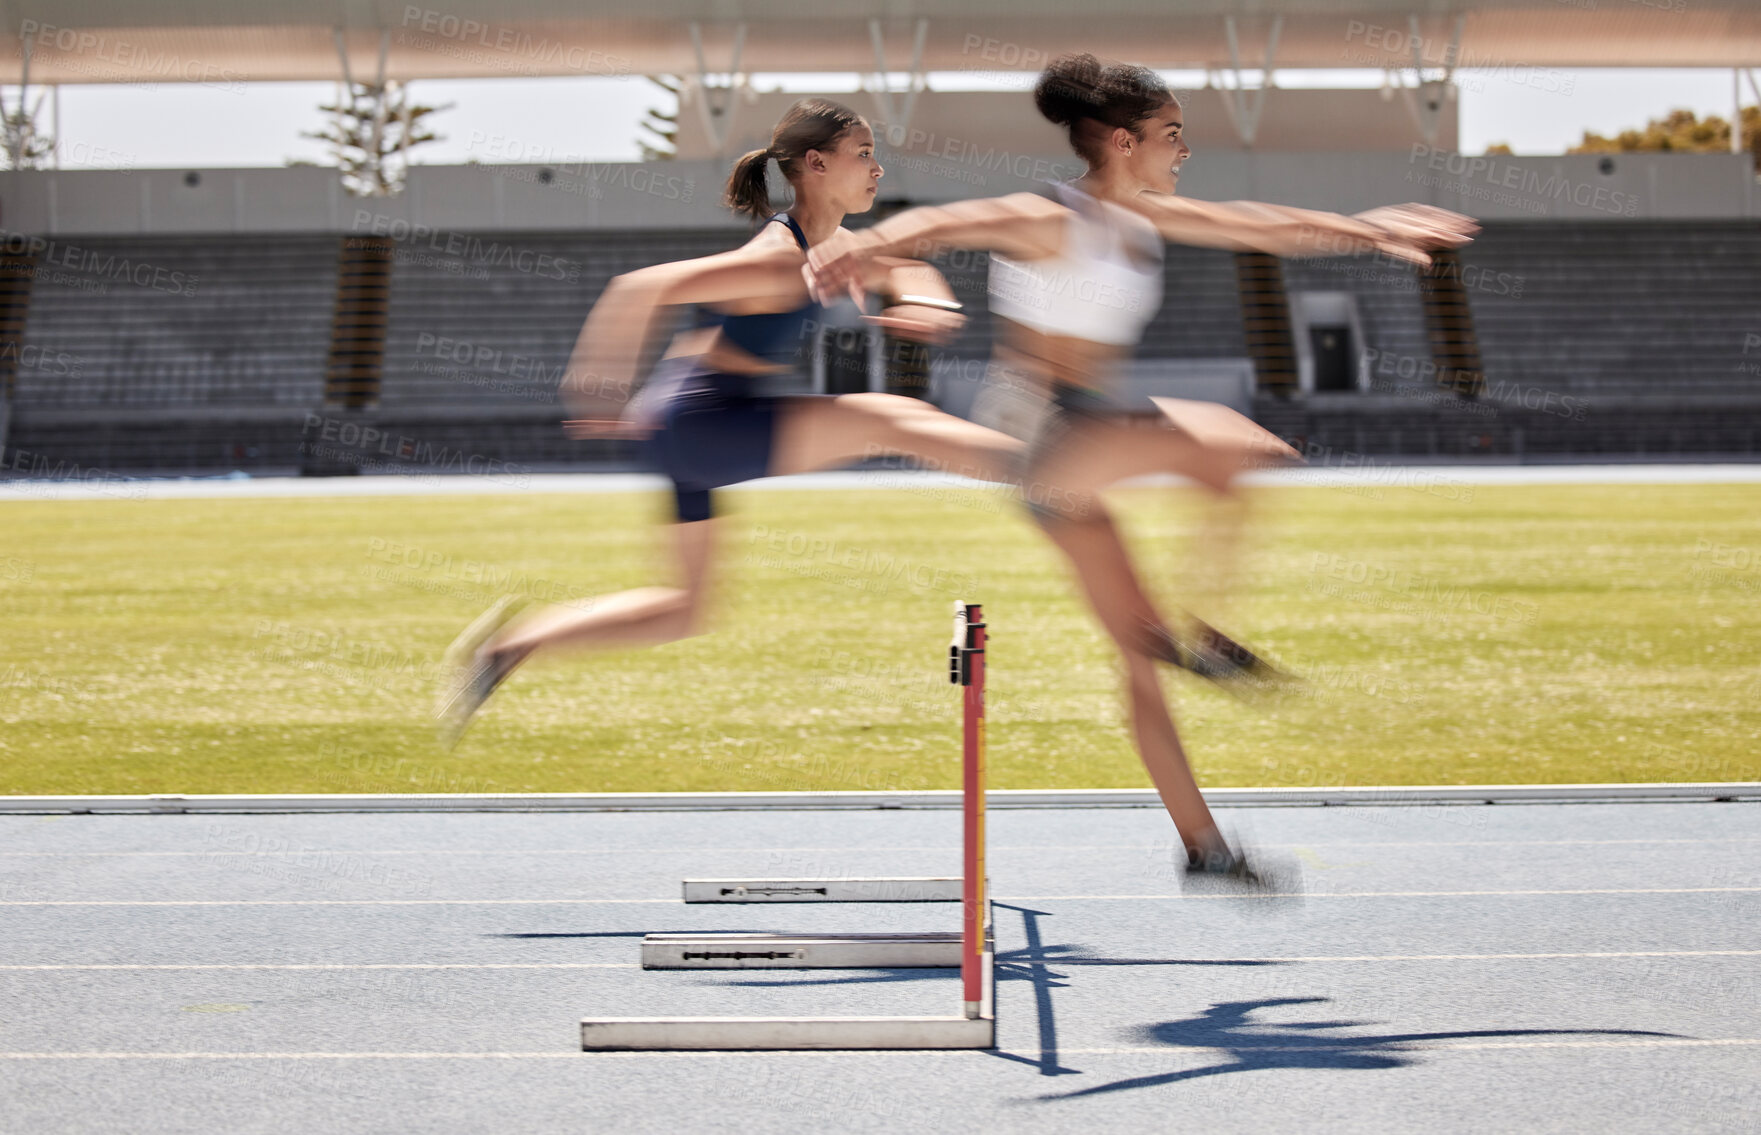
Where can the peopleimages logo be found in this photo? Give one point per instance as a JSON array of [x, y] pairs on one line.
[[1483, 177], [468, 247], [462, 37], [975, 155], [84, 45], [96, 267]]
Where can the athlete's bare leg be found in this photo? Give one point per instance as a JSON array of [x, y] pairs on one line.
[[1095, 453], [1103, 566], [643, 616], [823, 433], [814, 433]]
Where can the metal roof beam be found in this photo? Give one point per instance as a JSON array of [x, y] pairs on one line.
[[916, 79], [699, 85], [1244, 113]]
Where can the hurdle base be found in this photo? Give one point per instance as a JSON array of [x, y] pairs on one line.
[[757, 1034], [900, 889], [801, 951]]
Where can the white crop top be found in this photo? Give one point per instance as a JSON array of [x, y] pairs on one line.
[[1104, 284]]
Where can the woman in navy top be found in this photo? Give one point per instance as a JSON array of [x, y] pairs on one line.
[[699, 417]]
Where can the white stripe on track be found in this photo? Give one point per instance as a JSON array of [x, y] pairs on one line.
[[288, 485], [849, 849], [1006, 960], [329, 966], [1343, 1045], [1383, 894], [998, 898], [342, 902], [1471, 957]]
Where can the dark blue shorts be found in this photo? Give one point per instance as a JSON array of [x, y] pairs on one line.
[[710, 431]]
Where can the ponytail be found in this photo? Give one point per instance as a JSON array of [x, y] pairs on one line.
[[748, 189]]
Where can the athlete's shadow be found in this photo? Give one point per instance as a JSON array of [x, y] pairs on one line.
[[1037, 962], [1229, 1028]]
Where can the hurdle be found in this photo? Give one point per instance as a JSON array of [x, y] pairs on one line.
[[972, 949]]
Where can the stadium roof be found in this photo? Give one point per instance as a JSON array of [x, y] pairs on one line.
[[133, 41]]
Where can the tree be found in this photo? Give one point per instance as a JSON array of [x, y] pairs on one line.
[[22, 146], [1680, 131], [371, 135], [664, 127]]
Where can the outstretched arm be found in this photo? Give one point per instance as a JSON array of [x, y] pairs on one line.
[[602, 369], [1405, 232], [1025, 226]]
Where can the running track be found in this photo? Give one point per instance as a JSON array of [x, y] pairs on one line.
[[1588, 967]]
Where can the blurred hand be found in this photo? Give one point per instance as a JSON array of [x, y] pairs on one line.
[[592, 429], [919, 323], [595, 393], [840, 266], [1411, 230]]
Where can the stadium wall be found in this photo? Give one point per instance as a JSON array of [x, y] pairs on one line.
[[685, 194]]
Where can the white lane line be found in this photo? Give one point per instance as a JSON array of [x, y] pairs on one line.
[[848, 849], [1476, 957], [307, 849], [1384, 894], [342, 902], [1007, 960], [336, 966], [1343, 1044], [406, 485], [998, 898]]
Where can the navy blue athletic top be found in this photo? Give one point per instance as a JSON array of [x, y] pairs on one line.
[[773, 335]]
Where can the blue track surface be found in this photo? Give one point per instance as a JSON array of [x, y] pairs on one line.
[[1588, 968]]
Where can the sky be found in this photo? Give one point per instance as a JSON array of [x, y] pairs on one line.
[[261, 124]]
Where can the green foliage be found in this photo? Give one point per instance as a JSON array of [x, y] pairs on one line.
[[1680, 131], [22, 144], [662, 126], [371, 134]]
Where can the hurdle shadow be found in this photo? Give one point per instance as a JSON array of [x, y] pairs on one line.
[[1037, 963], [1251, 1045], [1033, 963]]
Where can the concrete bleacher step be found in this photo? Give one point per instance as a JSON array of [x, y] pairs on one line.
[[1620, 306], [493, 328], [1609, 312], [177, 321]]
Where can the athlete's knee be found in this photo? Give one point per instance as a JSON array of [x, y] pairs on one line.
[[689, 608], [1141, 677], [1223, 478], [1054, 506], [888, 405]]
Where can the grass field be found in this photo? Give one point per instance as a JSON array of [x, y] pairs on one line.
[[1449, 633]]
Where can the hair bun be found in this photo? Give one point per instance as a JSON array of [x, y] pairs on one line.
[[1070, 89]]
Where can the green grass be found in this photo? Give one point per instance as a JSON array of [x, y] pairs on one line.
[[1450, 634]]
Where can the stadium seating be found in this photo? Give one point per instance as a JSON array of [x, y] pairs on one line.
[[208, 352], [1635, 307]]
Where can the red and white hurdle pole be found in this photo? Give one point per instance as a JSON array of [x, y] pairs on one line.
[[966, 667]]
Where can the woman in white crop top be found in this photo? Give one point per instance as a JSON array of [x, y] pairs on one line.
[[1102, 286], [1076, 274]]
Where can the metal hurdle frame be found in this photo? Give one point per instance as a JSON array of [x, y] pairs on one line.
[[972, 949]]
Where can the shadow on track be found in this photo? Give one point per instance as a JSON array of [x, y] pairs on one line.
[[1254, 1046], [1033, 963]]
